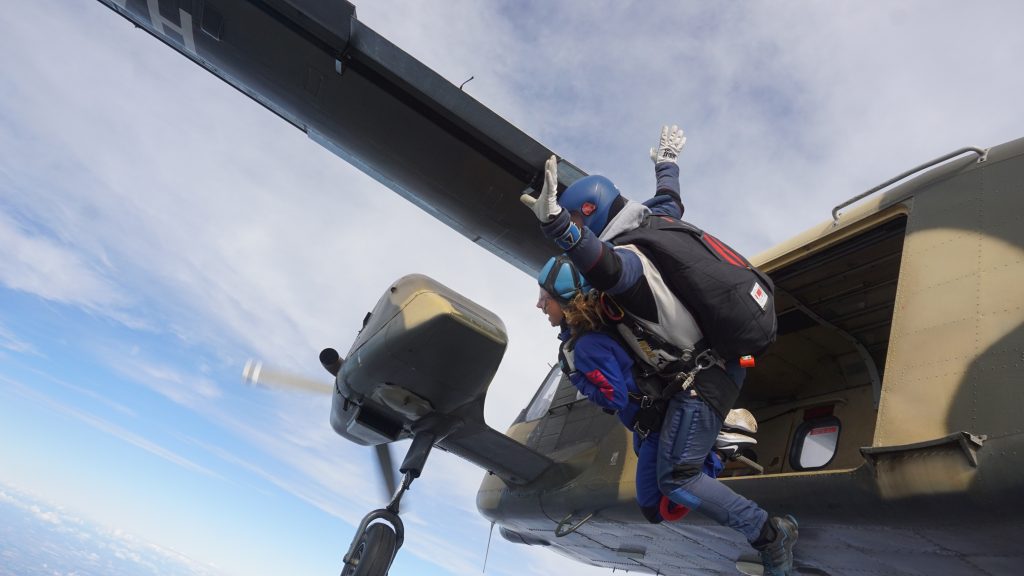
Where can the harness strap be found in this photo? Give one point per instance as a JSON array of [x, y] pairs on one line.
[[610, 308], [656, 341], [643, 400], [566, 356], [616, 314]]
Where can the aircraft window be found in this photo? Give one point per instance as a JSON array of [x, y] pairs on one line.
[[542, 400], [815, 443]]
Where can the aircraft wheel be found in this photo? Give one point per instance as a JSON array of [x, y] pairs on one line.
[[374, 552]]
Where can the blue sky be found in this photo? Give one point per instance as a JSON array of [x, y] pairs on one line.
[[159, 229]]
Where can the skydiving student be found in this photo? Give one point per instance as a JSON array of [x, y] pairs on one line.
[[594, 217], [598, 365]]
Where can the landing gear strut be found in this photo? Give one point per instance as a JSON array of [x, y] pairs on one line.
[[381, 533]]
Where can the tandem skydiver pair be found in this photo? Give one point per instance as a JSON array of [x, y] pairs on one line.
[[686, 307]]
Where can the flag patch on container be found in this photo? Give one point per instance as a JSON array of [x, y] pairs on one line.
[[759, 295]]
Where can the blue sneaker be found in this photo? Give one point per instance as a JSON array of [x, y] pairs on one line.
[[777, 554]]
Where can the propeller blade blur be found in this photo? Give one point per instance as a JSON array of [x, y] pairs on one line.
[[387, 469], [256, 374]]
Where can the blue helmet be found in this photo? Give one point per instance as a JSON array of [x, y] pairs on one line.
[[592, 197], [560, 278]]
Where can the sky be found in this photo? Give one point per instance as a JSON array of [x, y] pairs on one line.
[[39, 537], [159, 229]]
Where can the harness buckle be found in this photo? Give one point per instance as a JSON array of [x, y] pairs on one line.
[[646, 402], [703, 361], [688, 380]]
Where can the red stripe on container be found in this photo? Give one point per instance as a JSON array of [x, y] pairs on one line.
[[724, 252]]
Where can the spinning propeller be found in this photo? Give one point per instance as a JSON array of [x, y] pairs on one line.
[[255, 373]]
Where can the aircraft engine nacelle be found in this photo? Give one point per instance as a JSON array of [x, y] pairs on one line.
[[423, 350]]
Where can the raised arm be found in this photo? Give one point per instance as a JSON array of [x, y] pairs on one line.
[[667, 200], [616, 271]]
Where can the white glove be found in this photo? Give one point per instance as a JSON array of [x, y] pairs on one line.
[[545, 206], [669, 146]]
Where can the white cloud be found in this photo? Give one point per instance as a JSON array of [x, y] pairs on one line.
[[85, 391], [47, 516], [102, 540], [182, 387], [38, 265], [10, 341], [791, 107]]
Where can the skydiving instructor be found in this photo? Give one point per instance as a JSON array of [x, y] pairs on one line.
[[586, 221]]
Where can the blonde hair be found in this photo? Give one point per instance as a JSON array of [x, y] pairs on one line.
[[583, 312]]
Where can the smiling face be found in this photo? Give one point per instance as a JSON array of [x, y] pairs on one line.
[[551, 308]]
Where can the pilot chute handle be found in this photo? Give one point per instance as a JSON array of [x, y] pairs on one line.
[[982, 156]]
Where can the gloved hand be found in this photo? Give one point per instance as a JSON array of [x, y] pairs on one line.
[[669, 145], [546, 205]]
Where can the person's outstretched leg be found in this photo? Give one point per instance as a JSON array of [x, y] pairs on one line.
[[687, 437]]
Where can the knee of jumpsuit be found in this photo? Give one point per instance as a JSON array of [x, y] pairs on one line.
[[687, 437], [648, 492]]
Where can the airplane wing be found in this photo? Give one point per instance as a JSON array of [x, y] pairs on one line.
[[318, 67]]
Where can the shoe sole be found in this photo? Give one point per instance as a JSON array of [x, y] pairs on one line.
[[733, 439]]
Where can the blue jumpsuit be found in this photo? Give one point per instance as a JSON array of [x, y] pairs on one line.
[[691, 423], [603, 374]]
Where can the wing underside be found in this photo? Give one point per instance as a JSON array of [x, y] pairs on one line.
[[496, 453], [318, 67]]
